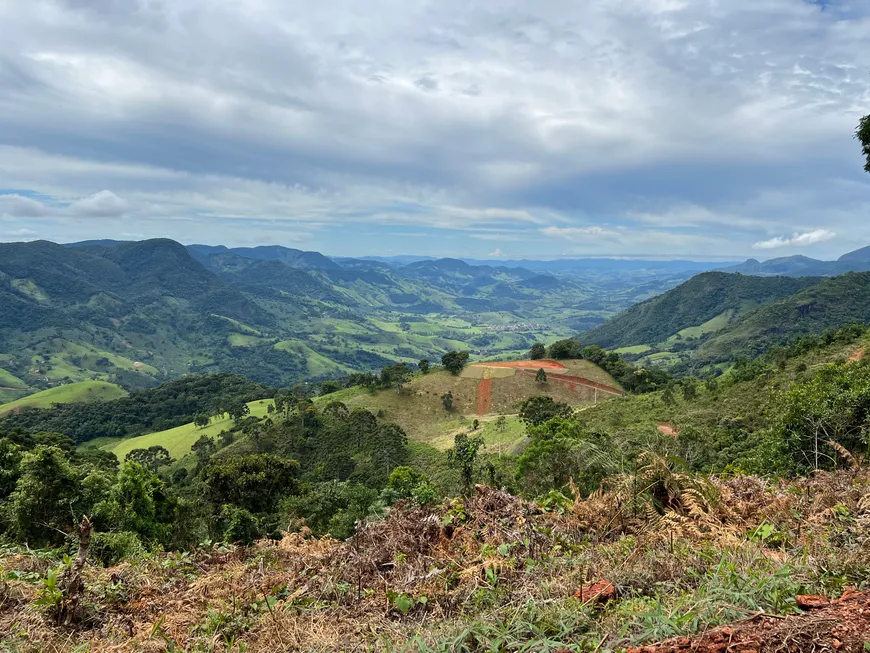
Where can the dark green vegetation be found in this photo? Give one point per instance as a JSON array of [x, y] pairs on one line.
[[714, 319], [139, 313]]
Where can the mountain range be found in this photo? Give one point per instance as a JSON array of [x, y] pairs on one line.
[[802, 266]]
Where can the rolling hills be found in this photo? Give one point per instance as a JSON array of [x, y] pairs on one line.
[[139, 313], [82, 392]]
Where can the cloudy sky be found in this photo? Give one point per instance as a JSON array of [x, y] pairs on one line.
[[691, 128]]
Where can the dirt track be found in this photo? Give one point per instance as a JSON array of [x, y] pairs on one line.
[[484, 396], [573, 381], [539, 364], [841, 625]]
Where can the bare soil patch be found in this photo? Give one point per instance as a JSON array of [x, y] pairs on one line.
[[841, 625], [857, 356], [536, 364], [484, 396]]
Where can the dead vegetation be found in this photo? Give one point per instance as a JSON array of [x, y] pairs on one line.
[[484, 573]]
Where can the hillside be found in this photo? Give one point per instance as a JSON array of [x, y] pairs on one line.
[[683, 519], [832, 303], [703, 298], [72, 393], [138, 313]]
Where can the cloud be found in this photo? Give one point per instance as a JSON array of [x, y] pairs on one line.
[[20, 206], [797, 240], [496, 253], [21, 233], [576, 233], [104, 204], [647, 118]]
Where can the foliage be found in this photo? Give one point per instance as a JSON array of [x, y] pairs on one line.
[[152, 458], [862, 133], [541, 376], [463, 456], [139, 503], [568, 348], [254, 482], [534, 411], [454, 361], [239, 525], [538, 351]]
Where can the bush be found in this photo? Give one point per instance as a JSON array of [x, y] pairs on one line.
[[240, 526], [111, 548]]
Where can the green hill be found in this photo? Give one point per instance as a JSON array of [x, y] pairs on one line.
[[83, 392], [833, 303], [692, 304], [179, 440]]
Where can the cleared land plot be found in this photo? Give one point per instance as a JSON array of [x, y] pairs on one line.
[[8, 380], [71, 393]]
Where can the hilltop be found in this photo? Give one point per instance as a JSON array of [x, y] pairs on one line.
[[139, 313]]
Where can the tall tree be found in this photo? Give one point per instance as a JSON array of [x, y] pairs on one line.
[[463, 456], [537, 352], [862, 133], [454, 361]]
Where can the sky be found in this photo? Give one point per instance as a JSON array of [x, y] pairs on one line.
[[698, 129]]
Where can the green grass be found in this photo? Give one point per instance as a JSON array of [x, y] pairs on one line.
[[180, 439], [243, 328], [243, 340], [710, 326], [495, 440], [9, 380], [82, 392], [636, 349]]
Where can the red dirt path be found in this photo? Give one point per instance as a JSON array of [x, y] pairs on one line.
[[857, 356], [484, 396], [841, 625], [573, 381], [545, 364]]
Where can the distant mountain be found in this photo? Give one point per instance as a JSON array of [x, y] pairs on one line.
[[802, 266], [294, 258], [691, 304], [832, 303], [858, 256]]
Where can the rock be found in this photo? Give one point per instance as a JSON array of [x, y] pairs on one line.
[[599, 592], [811, 601]]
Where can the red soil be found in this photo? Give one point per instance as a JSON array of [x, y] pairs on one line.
[[545, 364], [668, 429], [484, 396], [857, 356], [574, 381], [841, 625]]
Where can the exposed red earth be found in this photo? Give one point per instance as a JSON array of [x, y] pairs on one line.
[[539, 364], [840, 625], [484, 396]]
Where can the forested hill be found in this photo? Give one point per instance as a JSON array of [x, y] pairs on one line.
[[833, 303], [690, 304]]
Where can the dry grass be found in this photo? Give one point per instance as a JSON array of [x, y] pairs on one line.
[[427, 571]]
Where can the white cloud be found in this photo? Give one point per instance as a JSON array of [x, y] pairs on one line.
[[577, 233], [104, 204], [523, 116], [20, 206], [797, 240], [496, 253]]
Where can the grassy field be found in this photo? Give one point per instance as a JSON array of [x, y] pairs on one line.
[[179, 440], [636, 349], [84, 391], [495, 439], [9, 380]]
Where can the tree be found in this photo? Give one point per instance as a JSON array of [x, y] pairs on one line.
[[568, 348], [42, 507], [501, 423], [549, 463], [240, 526], [537, 352], [454, 361], [395, 375], [202, 420], [447, 400], [541, 376], [424, 365], [537, 410], [237, 410], [463, 456], [203, 449], [862, 133], [690, 388], [138, 502], [152, 458], [253, 481]]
